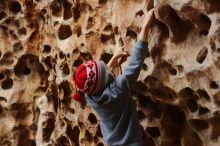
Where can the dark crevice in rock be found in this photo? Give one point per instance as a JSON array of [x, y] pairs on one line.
[[7, 84], [48, 126], [202, 55], [14, 6], [67, 10], [56, 7], [198, 124], [153, 131], [92, 119], [64, 32]]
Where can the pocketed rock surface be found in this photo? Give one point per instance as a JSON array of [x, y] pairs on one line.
[[43, 41]]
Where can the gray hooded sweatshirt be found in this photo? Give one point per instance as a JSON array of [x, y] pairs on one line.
[[114, 105]]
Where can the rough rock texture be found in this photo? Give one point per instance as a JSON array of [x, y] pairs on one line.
[[41, 41]]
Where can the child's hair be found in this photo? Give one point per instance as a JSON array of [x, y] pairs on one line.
[[91, 78]]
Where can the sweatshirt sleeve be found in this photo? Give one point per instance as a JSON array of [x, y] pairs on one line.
[[132, 70]]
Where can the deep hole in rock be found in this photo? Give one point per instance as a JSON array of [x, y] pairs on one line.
[[148, 140], [100, 144], [211, 5], [23, 136], [198, 124], [86, 7], [17, 46], [141, 115], [61, 55], [64, 32], [116, 30], [2, 76], [63, 141], [156, 52], [98, 131], [66, 70], [70, 133], [49, 126], [76, 50], [145, 101], [202, 22], [108, 38], [188, 93], [56, 7], [140, 86], [14, 6], [66, 87], [67, 10], [17, 23], [27, 142], [34, 125], [173, 71], [121, 42], [139, 13], [192, 105], [33, 36], [191, 138], [76, 12], [145, 67], [203, 110], [178, 29], [7, 84], [72, 111], [215, 127], [29, 4], [40, 16], [88, 136], [206, 22], [77, 62], [202, 55], [106, 57], [180, 68], [2, 15], [164, 94], [92, 119], [8, 21], [27, 71], [153, 131], [7, 59], [95, 139], [90, 34], [46, 49], [22, 66], [213, 85], [175, 115], [90, 23], [43, 11], [152, 82], [1, 109], [131, 34], [108, 28], [212, 44], [49, 61], [22, 31], [101, 2], [75, 135], [19, 110], [202, 93], [79, 31], [86, 56]]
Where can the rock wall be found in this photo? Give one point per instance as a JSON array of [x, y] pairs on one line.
[[41, 42]]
